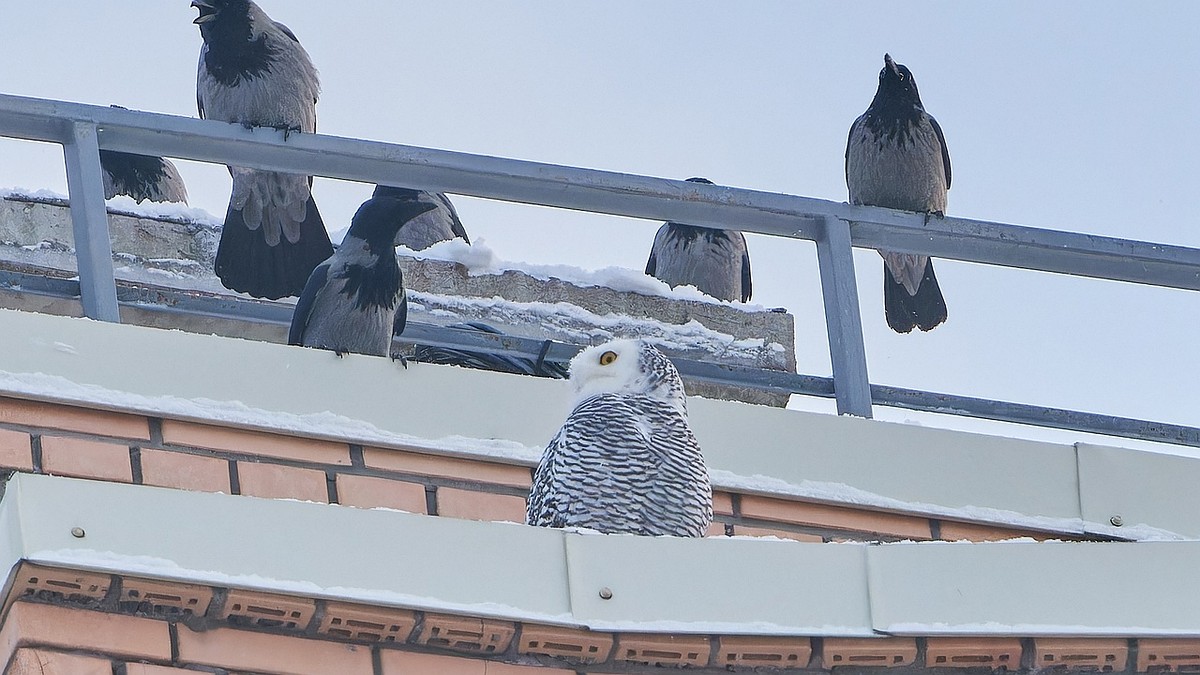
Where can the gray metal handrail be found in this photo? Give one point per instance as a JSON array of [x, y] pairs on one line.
[[834, 227]]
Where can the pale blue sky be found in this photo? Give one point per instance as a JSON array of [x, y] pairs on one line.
[[1076, 115]]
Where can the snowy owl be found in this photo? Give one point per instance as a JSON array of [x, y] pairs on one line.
[[625, 461]]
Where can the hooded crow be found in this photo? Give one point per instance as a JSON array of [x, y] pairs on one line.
[[352, 300], [440, 224], [715, 261], [896, 157], [141, 177], [254, 72]]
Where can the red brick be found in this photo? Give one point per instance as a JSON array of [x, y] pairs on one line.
[[85, 458], [260, 443], [33, 624], [715, 529], [41, 662], [748, 531], [574, 644], [722, 504], [365, 623], [268, 653], [888, 652], [371, 492], [973, 652], [276, 481], [15, 450], [185, 472], [1168, 654], [448, 467], [1081, 654], [664, 650], [474, 505], [266, 610], [466, 634], [60, 584], [955, 531], [410, 663], [835, 517], [70, 418], [165, 597], [750, 651]]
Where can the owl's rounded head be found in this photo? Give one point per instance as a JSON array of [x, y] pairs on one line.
[[626, 367]]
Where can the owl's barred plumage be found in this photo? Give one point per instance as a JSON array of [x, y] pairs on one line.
[[626, 460]]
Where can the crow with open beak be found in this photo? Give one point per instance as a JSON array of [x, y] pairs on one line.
[[254, 72]]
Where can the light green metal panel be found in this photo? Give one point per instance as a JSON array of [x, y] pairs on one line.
[[1124, 490], [1032, 589], [718, 585], [384, 557], [918, 467]]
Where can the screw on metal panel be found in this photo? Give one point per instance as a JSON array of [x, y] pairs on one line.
[[1116, 521], [77, 532], [606, 593]]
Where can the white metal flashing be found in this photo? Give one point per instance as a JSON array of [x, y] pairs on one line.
[[510, 571], [509, 418]]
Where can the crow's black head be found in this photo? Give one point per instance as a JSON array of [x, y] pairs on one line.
[[217, 15], [379, 219], [897, 88], [234, 52]]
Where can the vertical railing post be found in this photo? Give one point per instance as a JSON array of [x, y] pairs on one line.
[[843, 321], [89, 218]]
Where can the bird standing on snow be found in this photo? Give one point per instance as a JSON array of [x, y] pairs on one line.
[[254, 72], [427, 229], [625, 461], [714, 261], [141, 177], [896, 157], [351, 301]]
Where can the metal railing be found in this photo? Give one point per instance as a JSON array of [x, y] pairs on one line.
[[835, 228]]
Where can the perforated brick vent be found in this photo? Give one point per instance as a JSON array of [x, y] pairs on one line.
[[265, 610], [664, 650], [163, 598], [466, 634], [886, 652], [973, 652], [1079, 654], [59, 585], [774, 652], [567, 643], [367, 624], [1181, 656]]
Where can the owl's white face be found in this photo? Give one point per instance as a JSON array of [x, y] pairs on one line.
[[612, 367], [626, 367]]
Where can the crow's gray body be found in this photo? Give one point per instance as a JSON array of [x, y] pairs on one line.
[[625, 461], [141, 177], [252, 71], [714, 261], [896, 157], [351, 301]]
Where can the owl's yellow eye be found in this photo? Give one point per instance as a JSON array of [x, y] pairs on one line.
[[607, 358]]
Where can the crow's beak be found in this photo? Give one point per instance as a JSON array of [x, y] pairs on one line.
[[207, 11], [890, 64]]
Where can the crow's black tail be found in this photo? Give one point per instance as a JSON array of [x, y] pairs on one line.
[[247, 264], [925, 310]]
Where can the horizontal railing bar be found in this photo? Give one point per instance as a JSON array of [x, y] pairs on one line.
[[608, 192], [174, 301], [1021, 413]]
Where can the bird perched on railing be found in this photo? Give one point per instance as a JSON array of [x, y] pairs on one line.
[[896, 156], [625, 460], [431, 227], [715, 261], [143, 177], [254, 72], [351, 300]]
